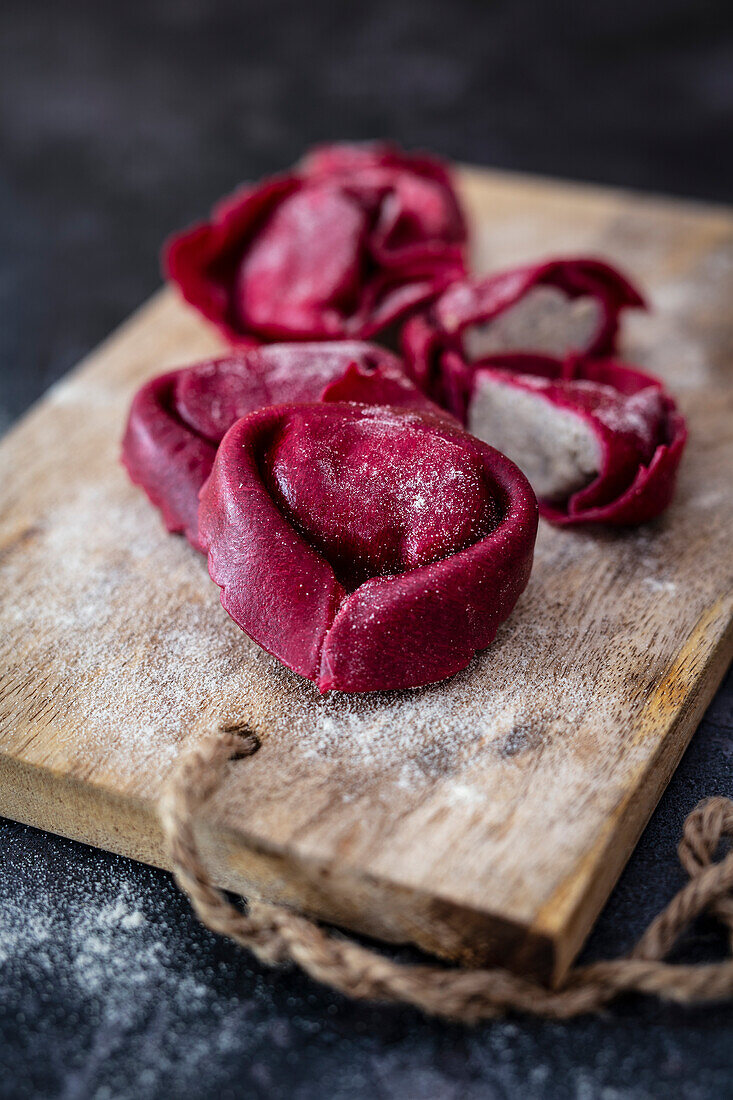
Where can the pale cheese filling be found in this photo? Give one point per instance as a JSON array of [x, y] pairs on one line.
[[545, 321], [556, 449]]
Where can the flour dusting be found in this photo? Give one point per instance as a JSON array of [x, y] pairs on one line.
[[138, 654], [118, 950]]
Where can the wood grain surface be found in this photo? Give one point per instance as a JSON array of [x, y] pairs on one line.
[[484, 818]]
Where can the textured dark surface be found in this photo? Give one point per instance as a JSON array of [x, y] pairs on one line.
[[118, 123]]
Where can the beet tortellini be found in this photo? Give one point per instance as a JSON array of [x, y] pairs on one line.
[[178, 419], [339, 248], [519, 358], [366, 547]]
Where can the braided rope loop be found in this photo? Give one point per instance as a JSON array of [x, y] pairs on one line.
[[278, 935]]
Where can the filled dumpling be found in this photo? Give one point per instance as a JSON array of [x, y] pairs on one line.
[[522, 359], [557, 308], [338, 248], [600, 441], [366, 547], [178, 419]]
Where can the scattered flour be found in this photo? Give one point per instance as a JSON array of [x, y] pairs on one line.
[[139, 982], [139, 1002], [138, 653]]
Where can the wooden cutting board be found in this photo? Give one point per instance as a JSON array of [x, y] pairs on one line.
[[483, 818]]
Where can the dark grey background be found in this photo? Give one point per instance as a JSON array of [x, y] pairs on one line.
[[119, 123]]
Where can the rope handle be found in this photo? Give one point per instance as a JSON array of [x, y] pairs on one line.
[[278, 935]]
